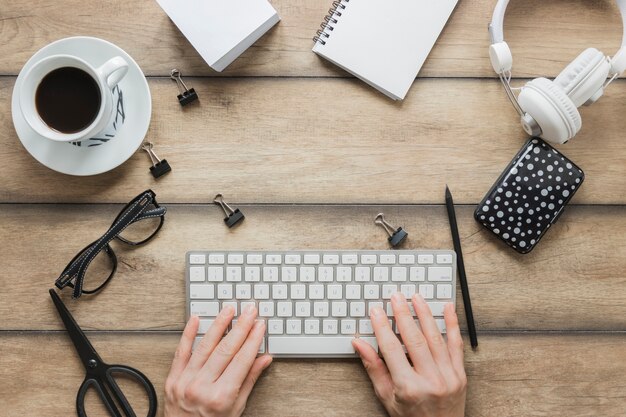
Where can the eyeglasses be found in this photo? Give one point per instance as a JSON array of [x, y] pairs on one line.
[[139, 222]]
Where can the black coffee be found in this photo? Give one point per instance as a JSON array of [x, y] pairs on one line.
[[68, 99]]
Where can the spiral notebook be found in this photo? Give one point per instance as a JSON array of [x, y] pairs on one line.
[[383, 42]]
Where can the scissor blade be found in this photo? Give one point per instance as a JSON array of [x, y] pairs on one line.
[[81, 343]]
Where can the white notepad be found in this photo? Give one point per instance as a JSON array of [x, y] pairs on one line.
[[383, 42], [221, 30]]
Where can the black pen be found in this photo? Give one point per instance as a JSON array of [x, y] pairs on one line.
[[467, 303]]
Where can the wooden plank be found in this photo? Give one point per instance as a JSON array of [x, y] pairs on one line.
[[544, 36], [512, 375], [574, 280], [273, 141]]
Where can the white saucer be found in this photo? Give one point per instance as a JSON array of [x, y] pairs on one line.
[[115, 146]]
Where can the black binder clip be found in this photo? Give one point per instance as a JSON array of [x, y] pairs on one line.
[[159, 167], [396, 236], [233, 216], [186, 95]]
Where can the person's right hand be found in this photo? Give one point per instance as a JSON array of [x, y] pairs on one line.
[[434, 384], [216, 380]]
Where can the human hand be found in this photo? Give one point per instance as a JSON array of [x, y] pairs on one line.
[[435, 384], [218, 377]]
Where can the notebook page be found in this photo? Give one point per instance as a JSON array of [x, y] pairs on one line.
[[385, 42]]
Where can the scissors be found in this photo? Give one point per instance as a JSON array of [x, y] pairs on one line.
[[99, 374]]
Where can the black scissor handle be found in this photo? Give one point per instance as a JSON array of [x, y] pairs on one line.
[[108, 387]]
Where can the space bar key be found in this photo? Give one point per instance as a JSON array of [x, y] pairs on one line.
[[314, 345]]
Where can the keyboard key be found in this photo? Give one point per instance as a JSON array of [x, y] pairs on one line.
[[388, 290], [307, 274], [325, 274], [288, 274], [371, 292], [441, 323], [293, 259], [284, 309], [270, 274], [329, 326], [224, 291], [350, 259], [216, 258], [407, 290], [275, 327], [196, 259], [339, 309], [387, 259], [344, 274], [311, 326], [254, 259], [311, 259], [314, 345], [196, 274], [294, 326], [205, 291], [252, 274], [216, 273], [279, 292], [274, 259], [243, 291], [303, 309], [381, 274], [444, 291], [235, 259], [348, 326], [335, 292], [440, 273], [425, 259], [357, 309], [406, 259], [398, 273], [362, 273], [232, 304], [330, 259], [298, 292], [437, 308], [316, 292], [427, 291], [353, 292], [204, 325], [373, 304], [233, 273], [369, 259], [266, 309], [204, 308], [444, 259], [320, 309], [365, 326], [417, 273], [262, 291]]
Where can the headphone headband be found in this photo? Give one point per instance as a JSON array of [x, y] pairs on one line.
[[496, 30]]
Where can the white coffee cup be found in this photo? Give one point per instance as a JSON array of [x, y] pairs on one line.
[[107, 76]]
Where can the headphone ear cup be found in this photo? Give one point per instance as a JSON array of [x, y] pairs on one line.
[[557, 116], [584, 77]]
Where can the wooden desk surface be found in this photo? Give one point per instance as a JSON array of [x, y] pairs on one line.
[[311, 155]]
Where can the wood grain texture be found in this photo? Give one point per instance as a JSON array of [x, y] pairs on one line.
[[544, 36], [512, 375], [573, 281], [285, 141]]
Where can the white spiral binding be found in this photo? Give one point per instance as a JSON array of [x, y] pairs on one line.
[[330, 19]]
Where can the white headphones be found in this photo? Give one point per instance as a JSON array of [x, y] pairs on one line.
[[549, 109]]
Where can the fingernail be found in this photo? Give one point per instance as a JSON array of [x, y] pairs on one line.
[[249, 310], [377, 311], [398, 297], [418, 297], [228, 310], [453, 307], [259, 324], [268, 361]]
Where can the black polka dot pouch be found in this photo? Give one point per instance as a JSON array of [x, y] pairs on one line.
[[530, 195]]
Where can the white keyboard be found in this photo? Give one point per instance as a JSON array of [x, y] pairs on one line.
[[315, 302]]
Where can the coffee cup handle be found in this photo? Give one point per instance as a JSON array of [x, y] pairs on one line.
[[113, 71]]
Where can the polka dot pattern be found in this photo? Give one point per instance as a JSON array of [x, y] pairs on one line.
[[532, 192]]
